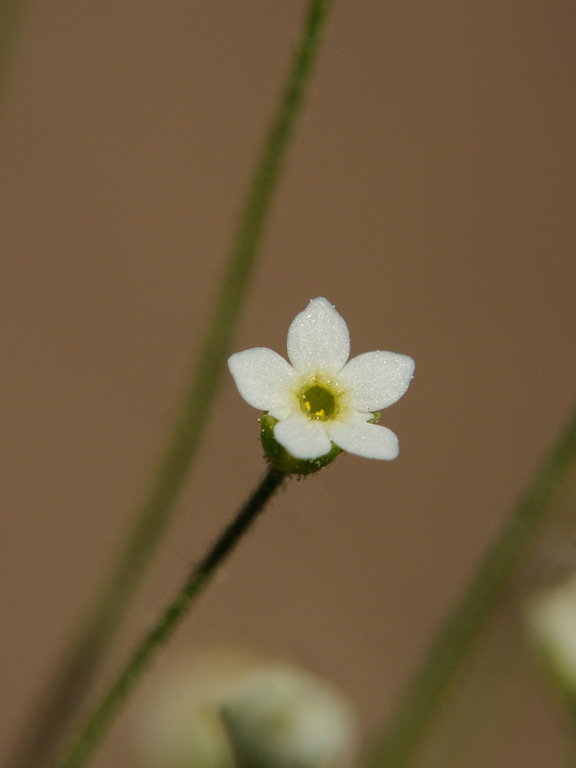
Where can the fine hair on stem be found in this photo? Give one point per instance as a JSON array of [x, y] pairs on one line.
[[102, 717]]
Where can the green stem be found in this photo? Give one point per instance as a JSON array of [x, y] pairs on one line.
[[11, 17], [170, 618], [72, 680], [462, 628]]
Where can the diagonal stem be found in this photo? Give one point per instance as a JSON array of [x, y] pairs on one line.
[[457, 636], [12, 14], [66, 691], [170, 618]]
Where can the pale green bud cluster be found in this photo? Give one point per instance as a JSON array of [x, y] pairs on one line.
[[551, 622], [232, 710]]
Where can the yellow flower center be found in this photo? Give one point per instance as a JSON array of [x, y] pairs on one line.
[[318, 403]]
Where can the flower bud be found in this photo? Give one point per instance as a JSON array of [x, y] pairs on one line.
[[281, 718], [551, 621], [231, 710]]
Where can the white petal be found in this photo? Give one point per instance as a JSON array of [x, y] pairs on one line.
[[369, 440], [263, 378], [375, 380], [304, 438], [318, 339]]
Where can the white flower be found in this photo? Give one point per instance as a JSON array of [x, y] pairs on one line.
[[323, 399]]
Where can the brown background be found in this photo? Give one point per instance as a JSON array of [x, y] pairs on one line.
[[430, 195]]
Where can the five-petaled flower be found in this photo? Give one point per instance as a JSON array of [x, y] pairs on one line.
[[323, 399]]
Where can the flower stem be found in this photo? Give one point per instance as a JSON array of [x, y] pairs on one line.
[[170, 618], [71, 681], [462, 628]]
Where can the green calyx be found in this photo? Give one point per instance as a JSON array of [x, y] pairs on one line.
[[279, 457]]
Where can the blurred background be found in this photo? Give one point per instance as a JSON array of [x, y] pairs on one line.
[[429, 195]]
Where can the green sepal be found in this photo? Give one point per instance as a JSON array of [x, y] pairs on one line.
[[279, 457]]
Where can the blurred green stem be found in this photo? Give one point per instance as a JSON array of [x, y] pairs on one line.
[[456, 638], [11, 17], [67, 690], [170, 618]]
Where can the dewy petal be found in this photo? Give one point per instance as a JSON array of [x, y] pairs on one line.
[[375, 380], [263, 378], [318, 339], [303, 437], [369, 440]]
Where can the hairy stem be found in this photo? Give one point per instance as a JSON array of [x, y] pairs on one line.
[[170, 618]]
